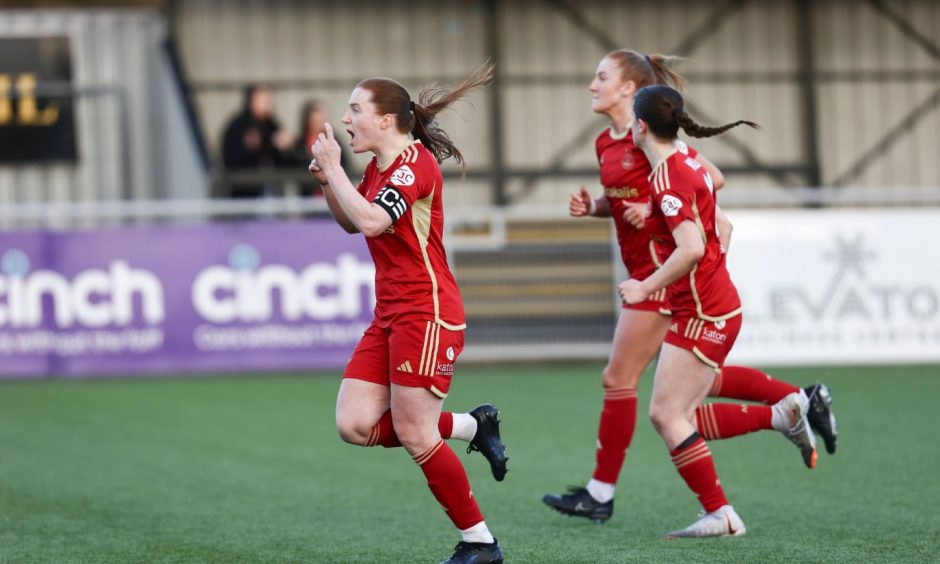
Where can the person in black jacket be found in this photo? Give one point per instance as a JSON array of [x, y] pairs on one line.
[[255, 140]]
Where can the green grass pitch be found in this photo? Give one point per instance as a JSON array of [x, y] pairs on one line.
[[250, 469]]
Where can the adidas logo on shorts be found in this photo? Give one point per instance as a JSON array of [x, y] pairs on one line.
[[406, 367]]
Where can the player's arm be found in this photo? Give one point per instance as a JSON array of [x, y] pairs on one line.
[[718, 179], [689, 250], [337, 211], [367, 217], [724, 227]]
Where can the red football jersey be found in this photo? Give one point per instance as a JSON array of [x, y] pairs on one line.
[[683, 190], [412, 276], [625, 178]]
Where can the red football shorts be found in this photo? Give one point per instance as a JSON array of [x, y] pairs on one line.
[[417, 353], [710, 341], [655, 302]]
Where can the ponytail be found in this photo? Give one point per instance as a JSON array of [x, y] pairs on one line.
[[432, 100], [694, 129], [663, 109], [644, 70], [419, 118]]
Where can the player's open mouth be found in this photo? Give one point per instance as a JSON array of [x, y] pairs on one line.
[[351, 134]]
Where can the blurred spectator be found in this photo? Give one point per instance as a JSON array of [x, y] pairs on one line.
[[255, 140], [313, 118]]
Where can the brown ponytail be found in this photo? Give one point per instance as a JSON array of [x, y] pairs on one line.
[[663, 110], [694, 129], [644, 70], [418, 118]]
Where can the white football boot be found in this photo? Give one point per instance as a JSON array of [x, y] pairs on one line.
[[789, 417], [723, 522]]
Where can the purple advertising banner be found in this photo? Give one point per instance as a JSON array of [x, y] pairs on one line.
[[176, 300]]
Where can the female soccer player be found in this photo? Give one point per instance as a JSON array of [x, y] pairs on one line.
[[706, 310], [394, 386], [624, 171]]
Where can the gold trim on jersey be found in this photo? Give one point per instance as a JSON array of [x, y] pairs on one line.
[[408, 155], [421, 219], [619, 136], [663, 164], [437, 392], [698, 220], [653, 254], [698, 302]]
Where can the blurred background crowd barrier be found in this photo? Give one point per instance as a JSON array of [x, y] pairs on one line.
[[113, 117]]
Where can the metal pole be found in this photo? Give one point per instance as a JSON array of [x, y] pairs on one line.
[[497, 157], [807, 65]]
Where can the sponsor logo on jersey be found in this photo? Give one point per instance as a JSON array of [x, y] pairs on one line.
[[403, 176], [445, 369], [406, 367], [622, 192], [670, 205], [714, 336]]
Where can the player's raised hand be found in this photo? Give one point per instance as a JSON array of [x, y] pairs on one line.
[[635, 214], [326, 152], [580, 203]]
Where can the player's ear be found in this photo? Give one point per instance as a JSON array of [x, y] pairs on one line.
[[628, 89]]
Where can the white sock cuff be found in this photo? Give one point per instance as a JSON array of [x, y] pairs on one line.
[[477, 533], [465, 427], [601, 491]]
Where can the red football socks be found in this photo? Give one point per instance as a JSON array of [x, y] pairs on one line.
[[383, 433], [618, 420], [449, 484], [726, 420], [695, 465], [750, 384]]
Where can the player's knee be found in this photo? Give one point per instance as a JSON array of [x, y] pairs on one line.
[[616, 376], [413, 437], [352, 432], [659, 417]]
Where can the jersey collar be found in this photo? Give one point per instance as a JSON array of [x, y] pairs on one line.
[[383, 168], [662, 162]]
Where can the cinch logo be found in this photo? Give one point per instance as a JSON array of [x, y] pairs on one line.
[[246, 291], [93, 298]]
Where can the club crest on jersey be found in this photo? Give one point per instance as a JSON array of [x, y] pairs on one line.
[[450, 354], [627, 161], [403, 176], [670, 205]]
